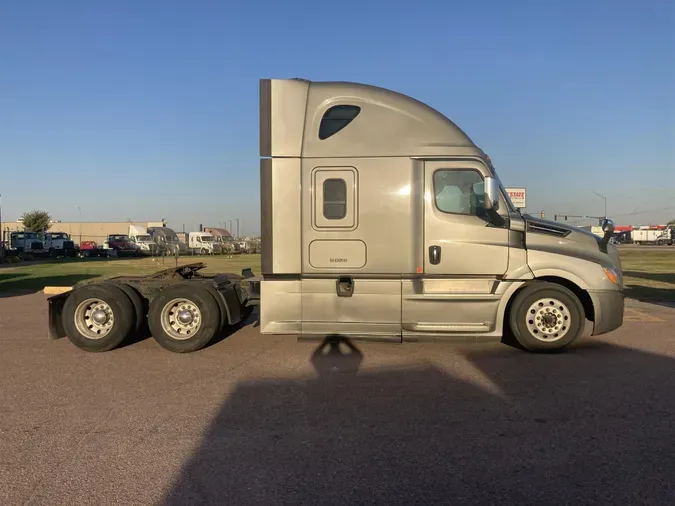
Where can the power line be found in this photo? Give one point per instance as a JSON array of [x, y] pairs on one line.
[[645, 212]]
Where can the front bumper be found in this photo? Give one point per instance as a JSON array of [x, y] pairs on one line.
[[608, 306]]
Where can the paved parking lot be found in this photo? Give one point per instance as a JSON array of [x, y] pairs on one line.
[[266, 420]]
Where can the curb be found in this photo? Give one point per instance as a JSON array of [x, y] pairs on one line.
[[56, 290]]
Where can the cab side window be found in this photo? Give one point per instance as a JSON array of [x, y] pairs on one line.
[[459, 191]]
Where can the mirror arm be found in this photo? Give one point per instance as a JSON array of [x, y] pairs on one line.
[[495, 218]]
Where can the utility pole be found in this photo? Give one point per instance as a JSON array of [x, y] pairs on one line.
[[237, 228], [605, 199]]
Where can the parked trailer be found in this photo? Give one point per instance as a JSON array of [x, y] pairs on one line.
[[658, 236], [380, 219]]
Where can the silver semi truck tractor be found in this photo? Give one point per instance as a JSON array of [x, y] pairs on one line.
[[380, 219]]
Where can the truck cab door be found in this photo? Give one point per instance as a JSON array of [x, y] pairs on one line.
[[465, 255]]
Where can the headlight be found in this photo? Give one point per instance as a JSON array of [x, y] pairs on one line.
[[611, 275]]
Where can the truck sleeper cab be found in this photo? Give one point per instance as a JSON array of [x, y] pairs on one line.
[[381, 218], [167, 241]]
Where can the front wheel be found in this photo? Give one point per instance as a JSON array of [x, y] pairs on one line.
[[546, 316]]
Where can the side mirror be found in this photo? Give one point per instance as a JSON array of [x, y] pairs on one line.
[[608, 226], [608, 229], [491, 194]]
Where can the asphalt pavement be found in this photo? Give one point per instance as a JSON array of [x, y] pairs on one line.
[[267, 420]]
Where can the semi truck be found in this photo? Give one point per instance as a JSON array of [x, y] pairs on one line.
[[223, 238], [120, 245], [140, 237], [59, 244], [26, 242], [203, 243], [381, 219], [167, 241], [660, 236]]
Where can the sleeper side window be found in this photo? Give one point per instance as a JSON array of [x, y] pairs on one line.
[[336, 118], [334, 199], [459, 191]]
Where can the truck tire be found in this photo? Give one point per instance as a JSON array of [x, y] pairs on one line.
[[98, 317], [184, 318], [546, 317], [139, 305]]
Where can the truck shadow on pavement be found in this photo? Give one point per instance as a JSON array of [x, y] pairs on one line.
[[18, 283], [652, 295], [593, 425], [663, 277]]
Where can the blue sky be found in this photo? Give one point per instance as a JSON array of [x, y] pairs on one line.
[[148, 109]]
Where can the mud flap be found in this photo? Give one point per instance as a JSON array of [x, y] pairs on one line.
[[56, 303]]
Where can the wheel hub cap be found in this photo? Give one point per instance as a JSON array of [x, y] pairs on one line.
[[185, 316], [94, 318], [181, 319], [99, 316], [549, 320]]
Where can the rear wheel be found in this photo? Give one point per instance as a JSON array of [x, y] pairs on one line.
[[184, 318], [139, 305], [98, 317], [546, 317]]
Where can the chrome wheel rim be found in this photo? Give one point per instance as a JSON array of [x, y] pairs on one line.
[[181, 319], [94, 318], [548, 319]]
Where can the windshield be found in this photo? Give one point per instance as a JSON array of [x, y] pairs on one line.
[[144, 238], [207, 238], [119, 237], [59, 236]]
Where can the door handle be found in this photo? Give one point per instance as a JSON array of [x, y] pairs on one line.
[[434, 255], [344, 286]]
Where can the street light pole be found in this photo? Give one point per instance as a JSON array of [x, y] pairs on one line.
[[605, 199], [80, 227]]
